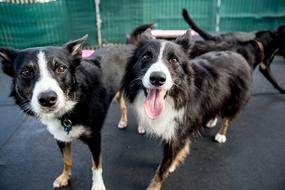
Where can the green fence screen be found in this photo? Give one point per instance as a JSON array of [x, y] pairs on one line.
[[120, 17], [251, 15], [36, 24], [40, 24], [58, 21]]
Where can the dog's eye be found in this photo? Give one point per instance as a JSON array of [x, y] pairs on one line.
[[27, 73], [173, 60], [60, 69], [146, 57]]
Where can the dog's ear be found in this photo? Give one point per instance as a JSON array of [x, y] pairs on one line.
[[7, 56], [137, 33], [281, 34], [281, 39], [146, 35], [75, 47], [281, 29], [184, 40]]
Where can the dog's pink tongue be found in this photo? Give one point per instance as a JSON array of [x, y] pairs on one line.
[[154, 103]]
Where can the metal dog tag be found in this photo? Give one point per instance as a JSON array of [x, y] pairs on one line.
[[67, 125]]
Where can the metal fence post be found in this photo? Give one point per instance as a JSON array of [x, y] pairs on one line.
[[98, 22], [219, 2]]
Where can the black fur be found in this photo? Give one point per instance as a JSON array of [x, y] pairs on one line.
[[97, 85], [243, 43], [216, 83]]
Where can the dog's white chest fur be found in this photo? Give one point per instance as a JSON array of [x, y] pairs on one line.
[[163, 127], [56, 129]]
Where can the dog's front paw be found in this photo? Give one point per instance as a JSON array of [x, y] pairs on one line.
[[122, 124], [220, 138], [154, 187], [98, 186], [172, 168], [98, 183], [212, 123], [141, 130], [61, 181]]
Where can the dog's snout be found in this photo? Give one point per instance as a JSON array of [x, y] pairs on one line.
[[48, 98], [157, 78]]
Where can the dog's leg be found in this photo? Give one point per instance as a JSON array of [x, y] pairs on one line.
[[94, 144], [212, 123], [266, 71], [124, 111], [180, 157], [64, 178], [174, 154], [221, 135], [141, 129]]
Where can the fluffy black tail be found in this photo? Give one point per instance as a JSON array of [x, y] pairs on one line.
[[193, 25], [134, 35]]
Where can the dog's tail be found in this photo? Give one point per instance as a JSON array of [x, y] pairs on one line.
[[192, 24], [134, 35]]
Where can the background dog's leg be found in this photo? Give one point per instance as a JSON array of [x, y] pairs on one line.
[[94, 144], [221, 135], [174, 154], [124, 111], [141, 129], [269, 76], [63, 179], [212, 123]]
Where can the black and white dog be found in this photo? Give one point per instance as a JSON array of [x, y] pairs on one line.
[[175, 96], [69, 95]]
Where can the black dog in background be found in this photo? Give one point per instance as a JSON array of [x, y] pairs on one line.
[[257, 48], [176, 96]]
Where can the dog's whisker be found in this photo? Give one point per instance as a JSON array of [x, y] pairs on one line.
[[136, 81], [178, 86]]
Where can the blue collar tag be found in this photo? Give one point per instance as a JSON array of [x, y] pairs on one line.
[[67, 125]]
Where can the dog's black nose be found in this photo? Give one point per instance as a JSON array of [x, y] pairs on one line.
[[48, 98], [157, 78]]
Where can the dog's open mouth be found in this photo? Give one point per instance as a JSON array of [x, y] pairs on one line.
[[154, 102]]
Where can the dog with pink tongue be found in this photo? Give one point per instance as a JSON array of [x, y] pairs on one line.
[[175, 97]]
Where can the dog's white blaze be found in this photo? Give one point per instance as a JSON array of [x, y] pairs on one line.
[[45, 83], [163, 127], [161, 51], [158, 66], [98, 183]]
